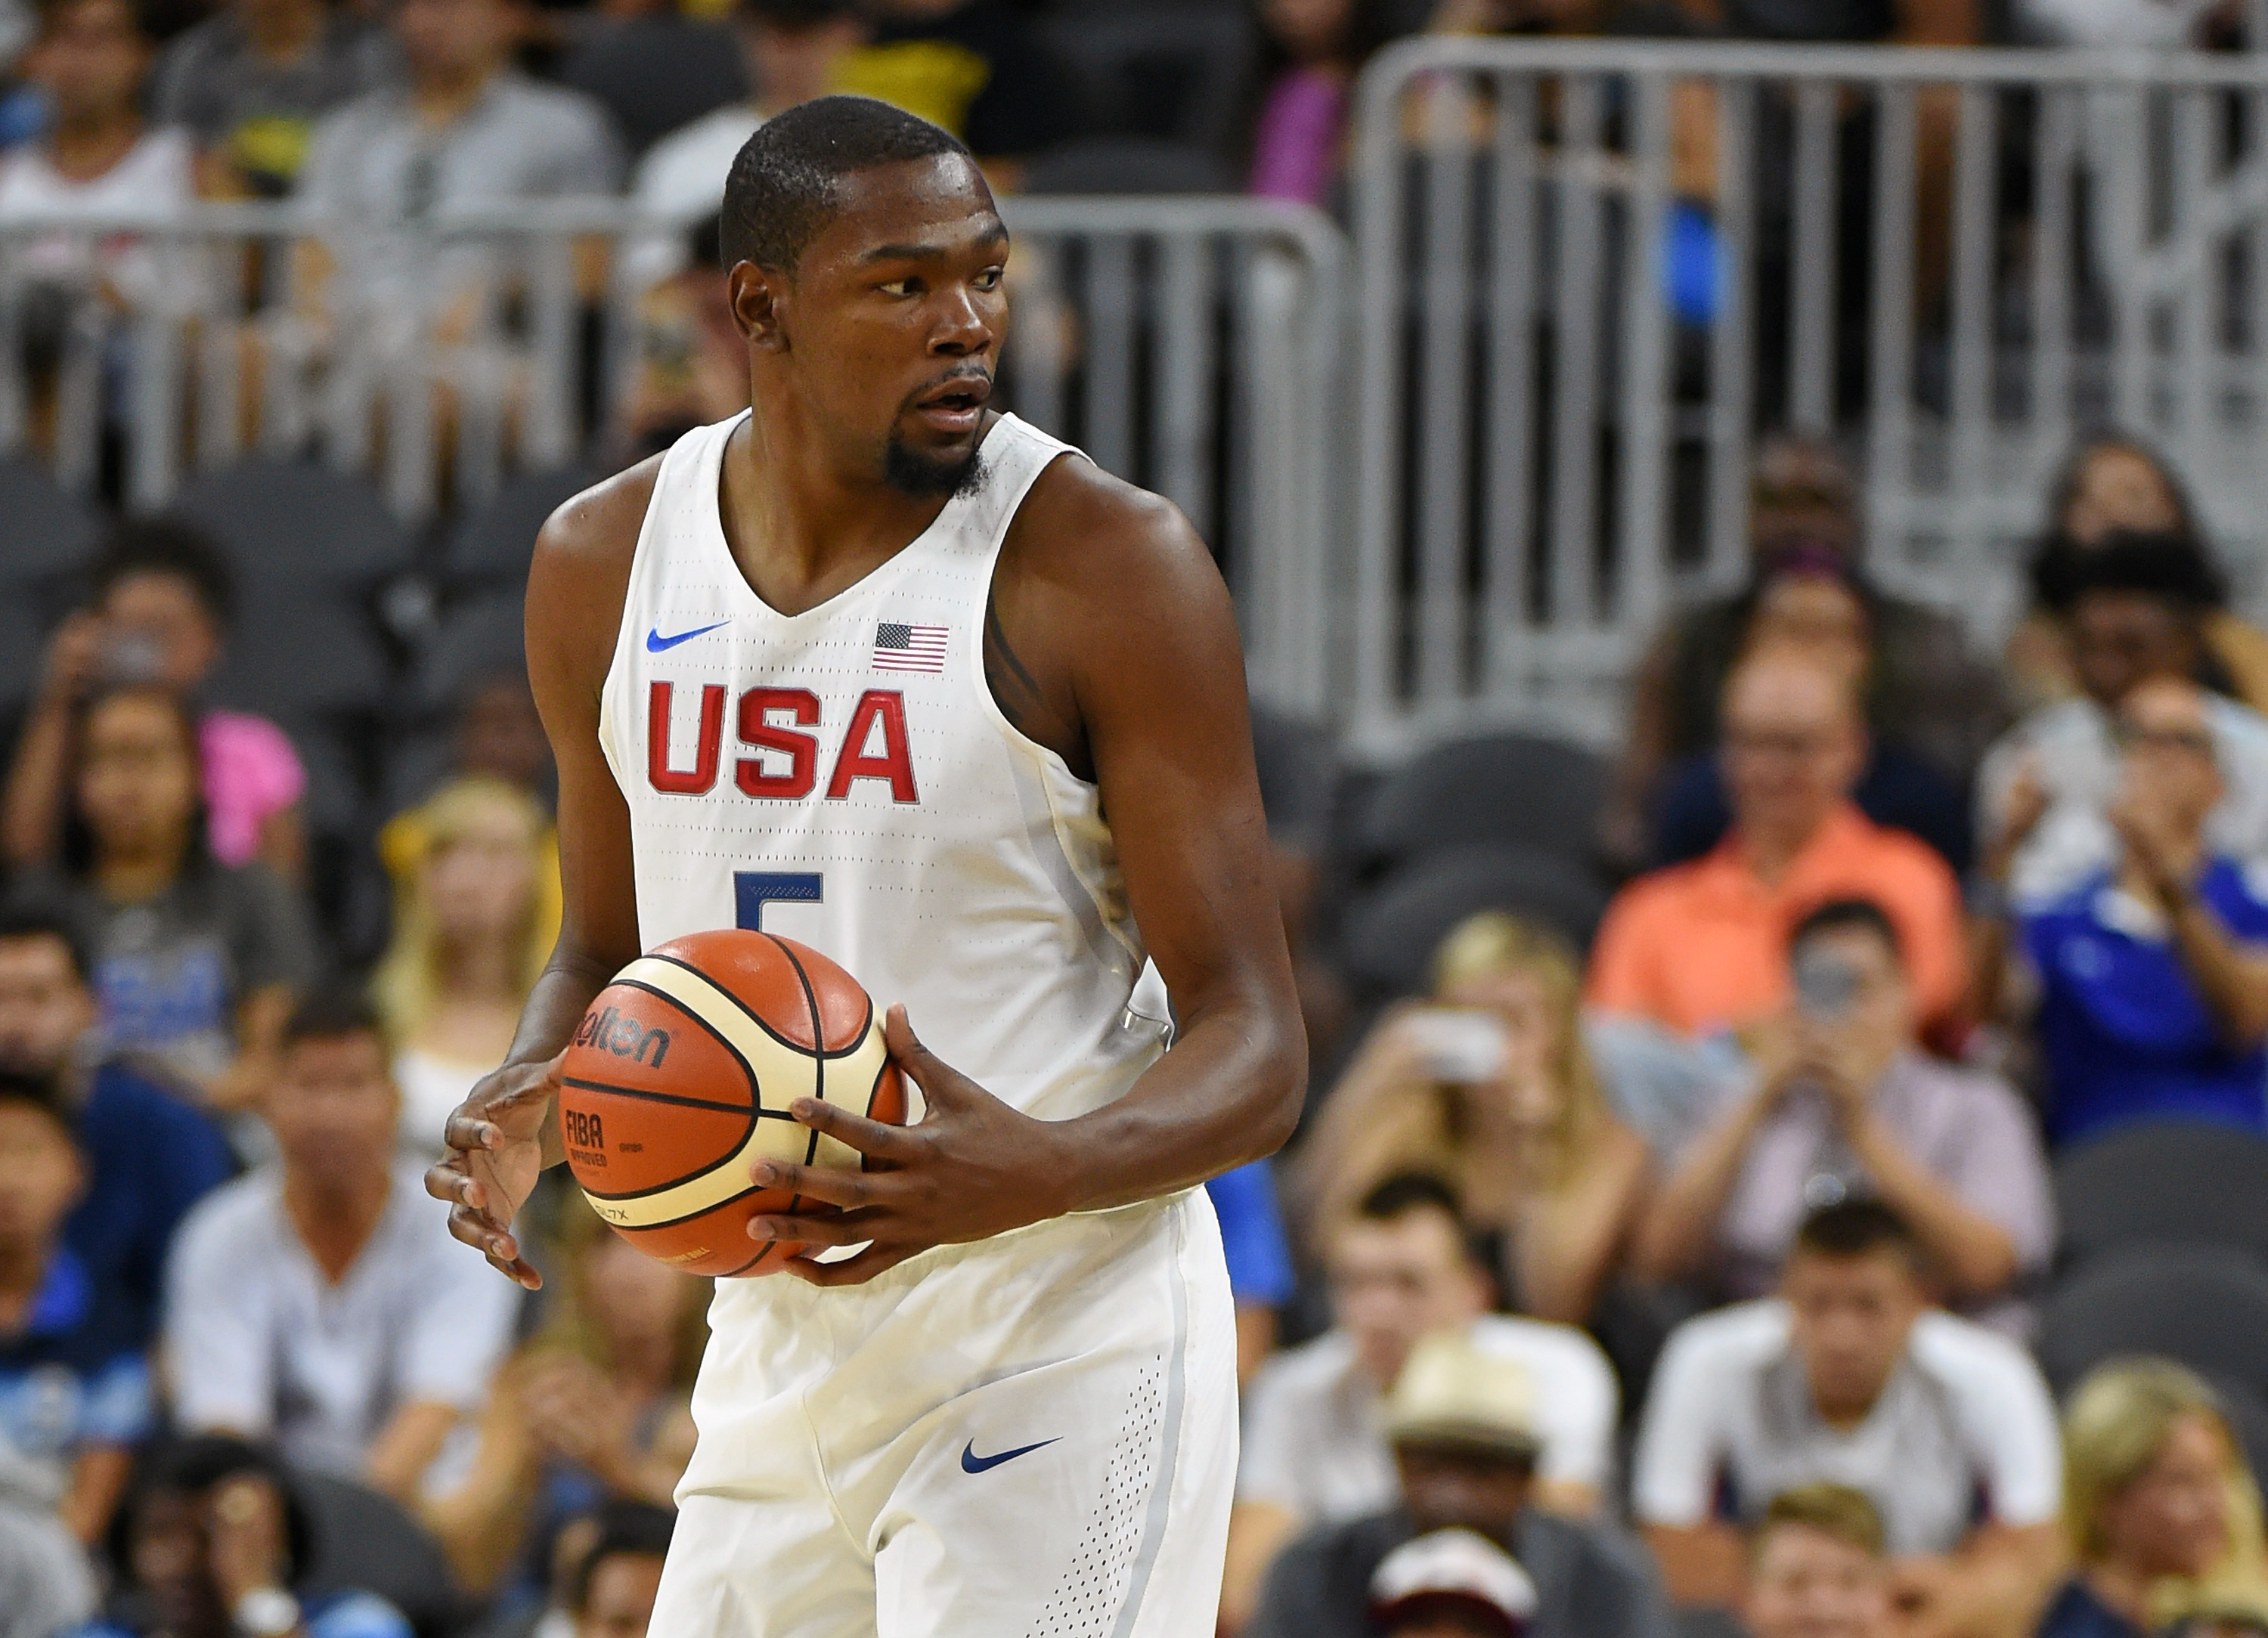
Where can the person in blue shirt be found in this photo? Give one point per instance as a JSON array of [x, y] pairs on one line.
[[1260, 1276], [2152, 975], [148, 1154], [75, 1392], [214, 1542]]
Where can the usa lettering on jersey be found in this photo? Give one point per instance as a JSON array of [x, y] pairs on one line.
[[774, 720]]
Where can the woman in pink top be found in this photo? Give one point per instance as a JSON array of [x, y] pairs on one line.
[[162, 598], [1315, 47]]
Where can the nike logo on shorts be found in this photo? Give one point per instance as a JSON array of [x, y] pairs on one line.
[[655, 643], [972, 1463]]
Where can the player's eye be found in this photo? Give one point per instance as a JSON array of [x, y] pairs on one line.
[[990, 279], [903, 287]]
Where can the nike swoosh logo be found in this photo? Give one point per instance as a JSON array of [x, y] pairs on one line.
[[655, 643], [972, 1463]]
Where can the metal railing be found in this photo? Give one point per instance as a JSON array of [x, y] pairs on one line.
[[1192, 345], [1591, 271]]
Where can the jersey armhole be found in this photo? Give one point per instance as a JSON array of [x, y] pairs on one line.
[[980, 683]]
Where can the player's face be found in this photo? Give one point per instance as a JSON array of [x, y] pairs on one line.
[[39, 1174], [893, 317], [45, 1007], [1810, 1584]]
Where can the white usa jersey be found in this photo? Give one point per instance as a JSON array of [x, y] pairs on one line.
[[843, 777]]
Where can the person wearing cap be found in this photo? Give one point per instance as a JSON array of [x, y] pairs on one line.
[[1462, 1426], [1851, 1374], [1451, 1584], [1816, 1567]]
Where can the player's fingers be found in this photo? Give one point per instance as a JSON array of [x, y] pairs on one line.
[[450, 1181], [852, 1270], [470, 1134], [846, 1189], [828, 1230], [875, 1138], [479, 1232], [939, 1081]]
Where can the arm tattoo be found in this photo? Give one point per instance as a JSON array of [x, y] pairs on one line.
[[1019, 697]]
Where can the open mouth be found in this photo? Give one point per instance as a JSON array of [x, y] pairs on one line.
[[955, 405]]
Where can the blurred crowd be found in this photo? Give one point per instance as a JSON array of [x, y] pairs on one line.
[[1822, 1192]]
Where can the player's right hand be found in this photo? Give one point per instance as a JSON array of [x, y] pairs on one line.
[[496, 1142]]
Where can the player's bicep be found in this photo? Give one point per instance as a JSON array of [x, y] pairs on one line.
[[1162, 698]]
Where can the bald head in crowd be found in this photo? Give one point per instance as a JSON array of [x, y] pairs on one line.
[[1795, 743]]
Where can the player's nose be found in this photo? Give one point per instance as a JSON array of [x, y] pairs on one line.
[[964, 329]]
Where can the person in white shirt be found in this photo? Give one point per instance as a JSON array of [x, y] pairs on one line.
[[1849, 1377], [788, 51], [1315, 1452], [99, 157], [320, 1301]]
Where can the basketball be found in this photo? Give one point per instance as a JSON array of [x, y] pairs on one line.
[[680, 1077]]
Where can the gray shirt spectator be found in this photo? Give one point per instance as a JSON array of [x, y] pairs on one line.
[[45, 1587], [256, 110], [1589, 1582]]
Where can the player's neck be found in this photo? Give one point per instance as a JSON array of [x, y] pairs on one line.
[[802, 525]]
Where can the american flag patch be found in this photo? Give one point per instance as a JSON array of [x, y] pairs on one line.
[[899, 647]]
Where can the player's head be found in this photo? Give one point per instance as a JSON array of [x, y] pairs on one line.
[[867, 261], [47, 1004], [40, 1173], [334, 1104], [612, 1589]]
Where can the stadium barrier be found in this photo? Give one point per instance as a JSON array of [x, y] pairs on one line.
[[1191, 344], [1589, 271]]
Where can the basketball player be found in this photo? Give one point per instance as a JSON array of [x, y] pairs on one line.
[[876, 667]]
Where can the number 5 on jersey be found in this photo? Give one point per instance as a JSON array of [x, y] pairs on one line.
[[753, 889]]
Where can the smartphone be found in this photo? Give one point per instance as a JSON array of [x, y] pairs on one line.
[[1826, 985], [132, 656], [1460, 1045]]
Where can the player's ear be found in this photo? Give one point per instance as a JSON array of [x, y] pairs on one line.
[[756, 294]]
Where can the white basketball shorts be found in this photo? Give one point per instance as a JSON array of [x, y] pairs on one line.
[[1033, 1436]]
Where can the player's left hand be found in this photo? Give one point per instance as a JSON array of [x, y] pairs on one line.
[[973, 1168]]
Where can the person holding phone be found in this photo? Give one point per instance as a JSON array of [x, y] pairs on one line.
[[1488, 1086], [1842, 1105]]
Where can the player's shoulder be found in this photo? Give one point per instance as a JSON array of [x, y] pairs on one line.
[[1082, 525], [598, 527]]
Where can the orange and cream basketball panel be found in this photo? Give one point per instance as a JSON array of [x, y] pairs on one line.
[[681, 1078]]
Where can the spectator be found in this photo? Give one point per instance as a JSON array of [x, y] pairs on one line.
[[163, 599], [99, 157], [597, 1406], [74, 1391], [1260, 1275], [653, 67], [692, 362], [45, 1587], [1813, 601], [1314, 50], [2159, 1511], [1400, 1270], [216, 1544], [1461, 1423], [2150, 980], [193, 961], [476, 914], [788, 51], [149, 1154], [615, 1584], [1926, 692], [1701, 946], [2117, 485], [318, 1301], [1844, 1105], [1452, 1583], [1815, 1567], [977, 68], [1849, 1376], [250, 81], [466, 129], [1491, 1087], [2046, 790]]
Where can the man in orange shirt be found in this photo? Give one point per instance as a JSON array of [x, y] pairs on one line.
[[1701, 946]]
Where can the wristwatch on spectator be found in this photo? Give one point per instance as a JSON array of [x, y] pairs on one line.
[[266, 1613]]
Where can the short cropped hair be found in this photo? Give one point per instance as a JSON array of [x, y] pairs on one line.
[[1842, 914], [1832, 1510], [1855, 1228], [1394, 1198], [32, 917], [638, 1528], [169, 546], [333, 1013], [786, 183]]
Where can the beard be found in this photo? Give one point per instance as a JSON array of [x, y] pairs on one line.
[[926, 477]]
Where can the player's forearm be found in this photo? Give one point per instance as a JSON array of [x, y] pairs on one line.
[[1227, 1093]]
